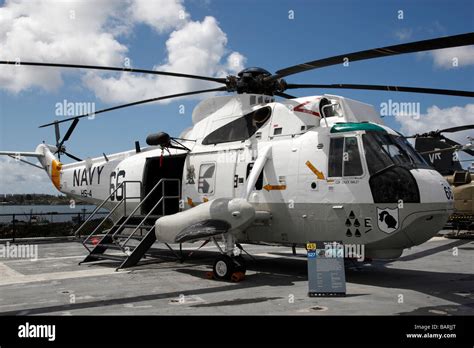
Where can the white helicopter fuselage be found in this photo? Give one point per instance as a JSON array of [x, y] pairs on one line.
[[316, 179]]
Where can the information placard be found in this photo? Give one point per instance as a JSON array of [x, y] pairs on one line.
[[326, 273]]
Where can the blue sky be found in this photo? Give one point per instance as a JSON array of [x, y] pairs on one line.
[[262, 32]]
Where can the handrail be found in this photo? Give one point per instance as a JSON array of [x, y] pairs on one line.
[[119, 228], [97, 208], [162, 199], [161, 181], [122, 185], [141, 223], [100, 224]]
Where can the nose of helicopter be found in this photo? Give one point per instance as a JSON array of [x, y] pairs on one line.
[[436, 206], [417, 221]]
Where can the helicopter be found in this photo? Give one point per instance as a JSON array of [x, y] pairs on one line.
[[260, 169], [442, 153]]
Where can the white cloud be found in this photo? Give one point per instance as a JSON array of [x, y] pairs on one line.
[[404, 34], [236, 62], [197, 48], [436, 118], [162, 15], [69, 31], [450, 58], [17, 177], [74, 31]]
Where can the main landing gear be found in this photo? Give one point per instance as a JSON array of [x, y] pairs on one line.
[[229, 265]]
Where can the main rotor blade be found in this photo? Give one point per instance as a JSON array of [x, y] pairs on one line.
[[387, 88], [72, 156], [453, 148], [456, 129], [418, 46], [109, 68], [437, 133], [456, 144], [220, 89], [284, 95], [449, 141], [468, 151]]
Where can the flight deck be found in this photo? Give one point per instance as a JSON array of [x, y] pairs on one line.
[[435, 278]]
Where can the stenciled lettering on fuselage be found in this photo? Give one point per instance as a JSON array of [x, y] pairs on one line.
[[87, 176], [116, 187]]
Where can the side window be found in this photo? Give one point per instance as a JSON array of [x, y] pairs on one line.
[[336, 148], [344, 157], [259, 183], [352, 164], [206, 181], [240, 129]]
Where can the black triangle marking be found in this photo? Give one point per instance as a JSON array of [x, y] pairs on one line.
[[348, 223], [351, 215], [356, 223], [357, 234], [348, 233]]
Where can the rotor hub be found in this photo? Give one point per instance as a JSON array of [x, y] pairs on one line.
[[255, 80]]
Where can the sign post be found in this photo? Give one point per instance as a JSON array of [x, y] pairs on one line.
[[326, 273]]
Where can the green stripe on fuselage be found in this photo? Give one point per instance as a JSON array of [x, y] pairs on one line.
[[355, 126]]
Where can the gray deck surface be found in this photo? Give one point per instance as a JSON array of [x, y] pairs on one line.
[[430, 278]]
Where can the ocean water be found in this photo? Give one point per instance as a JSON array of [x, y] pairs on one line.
[[32, 210]]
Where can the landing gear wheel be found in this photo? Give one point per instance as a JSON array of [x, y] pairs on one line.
[[223, 267]]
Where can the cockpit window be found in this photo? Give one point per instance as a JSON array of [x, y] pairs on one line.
[[240, 129], [383, 150], [336, 148], [411, 152], [344, 157], [351, 157]]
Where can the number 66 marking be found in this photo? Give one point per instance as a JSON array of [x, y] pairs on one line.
[[115, 180]]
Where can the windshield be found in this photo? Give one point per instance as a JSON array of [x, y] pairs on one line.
[[383, 150]]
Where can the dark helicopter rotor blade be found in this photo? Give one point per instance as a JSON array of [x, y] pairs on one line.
[[386, 88], [110, 68], [284, 95], [411, 47], [220, 89], [69, 132], [453, 148], [456, 144], [56, 131], [71, 156], [468, 151], [457, 129], [437, 133]]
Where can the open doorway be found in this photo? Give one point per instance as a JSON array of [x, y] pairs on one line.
[[157, 168]]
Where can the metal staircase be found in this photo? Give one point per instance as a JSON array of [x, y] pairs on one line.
[[133, 233]]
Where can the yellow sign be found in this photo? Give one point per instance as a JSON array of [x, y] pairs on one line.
[[274, 187], [319, 174]]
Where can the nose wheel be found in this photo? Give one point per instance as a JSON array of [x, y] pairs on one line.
[[229, 268], [229, 265]]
